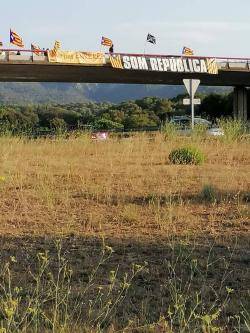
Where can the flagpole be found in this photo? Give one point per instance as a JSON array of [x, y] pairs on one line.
[[9, 45], [145, 44], [101, 47]]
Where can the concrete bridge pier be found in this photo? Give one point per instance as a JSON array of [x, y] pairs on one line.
[[240, 103]]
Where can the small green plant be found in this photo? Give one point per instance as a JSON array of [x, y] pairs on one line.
[[209, 193], [186, 155]]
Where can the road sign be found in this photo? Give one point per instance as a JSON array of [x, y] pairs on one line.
[[187, 101], [191, 86]]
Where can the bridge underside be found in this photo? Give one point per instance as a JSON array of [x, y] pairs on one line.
[[29, 72]]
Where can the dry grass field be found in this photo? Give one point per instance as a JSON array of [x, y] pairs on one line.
[[167, 245]]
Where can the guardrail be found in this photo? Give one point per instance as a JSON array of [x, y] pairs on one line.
[[245, 59]]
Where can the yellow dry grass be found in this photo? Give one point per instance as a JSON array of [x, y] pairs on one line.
[[126, 191], [121, 187]]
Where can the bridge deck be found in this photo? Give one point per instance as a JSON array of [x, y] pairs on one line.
[[32, 68]]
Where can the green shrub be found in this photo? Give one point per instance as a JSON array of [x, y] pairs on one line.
[[186, 155]]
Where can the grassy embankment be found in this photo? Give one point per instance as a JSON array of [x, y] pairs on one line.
[[161, 241]]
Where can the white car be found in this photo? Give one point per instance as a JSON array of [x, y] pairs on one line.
[[215, 131]]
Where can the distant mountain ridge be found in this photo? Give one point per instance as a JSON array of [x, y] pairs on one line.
[[33, 93]]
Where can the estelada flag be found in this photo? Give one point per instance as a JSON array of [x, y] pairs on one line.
[[55, 49], [106, 42], [57, 45], [35, 49], [15, 39], [151, 39], [187, 51]]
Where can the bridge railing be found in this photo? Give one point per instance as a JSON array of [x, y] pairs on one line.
[[224, 63], [7, 55]]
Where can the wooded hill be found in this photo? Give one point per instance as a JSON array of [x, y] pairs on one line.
[[63, 93], [140, 113]]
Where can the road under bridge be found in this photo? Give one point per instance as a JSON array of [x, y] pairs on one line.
[[135, 69]]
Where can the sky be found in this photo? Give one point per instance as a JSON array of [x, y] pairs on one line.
[[211, 28]]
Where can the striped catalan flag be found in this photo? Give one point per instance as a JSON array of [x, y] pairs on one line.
[[116, 61], [212, 67], [106, 42], [57, 45], [187, 51], [16, 39], [35, 49]]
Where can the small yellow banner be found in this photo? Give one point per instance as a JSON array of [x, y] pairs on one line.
[[70, 57], [212, 67]]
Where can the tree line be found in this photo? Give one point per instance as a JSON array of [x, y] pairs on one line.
[[141, 113]]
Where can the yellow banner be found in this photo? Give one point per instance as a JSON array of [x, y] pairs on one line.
[[212, 67], [70, 57]]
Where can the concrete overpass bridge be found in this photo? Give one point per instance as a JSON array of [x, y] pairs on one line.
[[134, 69]]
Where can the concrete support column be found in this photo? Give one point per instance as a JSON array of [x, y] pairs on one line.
[[240, 103]]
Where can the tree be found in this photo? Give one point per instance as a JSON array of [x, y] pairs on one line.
[[58, 124], [139, 120], [18, 118], [106, 124], [117, 116], [50, 112], [214, 106], [148, 103], [163, 109], [130, 107]]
